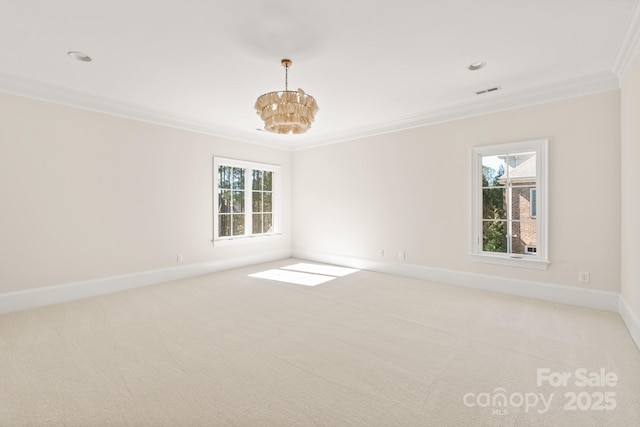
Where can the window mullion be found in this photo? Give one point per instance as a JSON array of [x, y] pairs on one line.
[[509, 235], [248, 201], [509, 194]]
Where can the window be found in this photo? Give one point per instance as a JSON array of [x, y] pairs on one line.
[[509, 209], [245, 198]]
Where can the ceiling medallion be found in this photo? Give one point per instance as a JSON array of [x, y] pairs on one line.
[[287, 111]]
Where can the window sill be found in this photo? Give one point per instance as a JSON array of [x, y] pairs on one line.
[[227, 241], [523, 261]]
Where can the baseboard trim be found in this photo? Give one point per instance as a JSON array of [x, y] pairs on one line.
[[32, 298], [631, 320], [601, 300]]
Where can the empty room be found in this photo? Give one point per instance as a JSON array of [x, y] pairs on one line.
[[286, 213]]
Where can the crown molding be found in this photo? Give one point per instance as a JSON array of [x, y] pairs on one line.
[[30, 88], [580, 86], [499, 101], [629, 51]]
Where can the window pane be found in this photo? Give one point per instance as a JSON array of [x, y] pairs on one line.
[[520, 158], [224, 225], [238, 224], [523, 235], [224, 201], [520, 202], [257, 180], [494, 236], [238, 201], [267, 226], [257, 201], [257, 223], [224, 177], [238, 178], [494, 203], [267, 202], [493, 171], [268, 181]]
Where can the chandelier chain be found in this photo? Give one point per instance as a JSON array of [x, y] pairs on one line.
[[286, 77]]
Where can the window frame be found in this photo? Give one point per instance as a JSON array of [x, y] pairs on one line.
[[541, 259], [249, 167]]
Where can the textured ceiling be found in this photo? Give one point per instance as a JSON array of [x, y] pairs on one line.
[[372, 66]]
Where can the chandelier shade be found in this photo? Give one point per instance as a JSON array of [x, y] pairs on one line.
[[287, 111]]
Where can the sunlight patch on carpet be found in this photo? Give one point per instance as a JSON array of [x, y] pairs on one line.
[[305, 274], [328, 270]]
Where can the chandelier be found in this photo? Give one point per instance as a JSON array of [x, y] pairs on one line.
[[287, 111]]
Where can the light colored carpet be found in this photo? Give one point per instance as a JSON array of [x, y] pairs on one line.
[[366, 349]]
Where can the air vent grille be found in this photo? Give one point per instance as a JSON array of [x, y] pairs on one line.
[[491, 89]]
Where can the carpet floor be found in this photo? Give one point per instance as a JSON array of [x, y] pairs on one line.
[[364, 349]]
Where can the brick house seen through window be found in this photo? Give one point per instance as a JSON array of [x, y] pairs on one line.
[[519, 179]]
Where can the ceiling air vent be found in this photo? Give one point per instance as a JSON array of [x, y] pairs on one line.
[[492, 89]]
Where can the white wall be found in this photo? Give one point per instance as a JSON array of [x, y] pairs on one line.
[[410, 191], [86, 195], [631, 191]]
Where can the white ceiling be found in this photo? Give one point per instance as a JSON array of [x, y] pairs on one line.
[[373, 66]]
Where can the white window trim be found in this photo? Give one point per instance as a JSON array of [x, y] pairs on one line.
[[538, 261], [276, 201]]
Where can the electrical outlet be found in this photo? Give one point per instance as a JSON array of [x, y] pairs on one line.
[[584, 277], [180, 258], [381, 252], [401, 255]]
